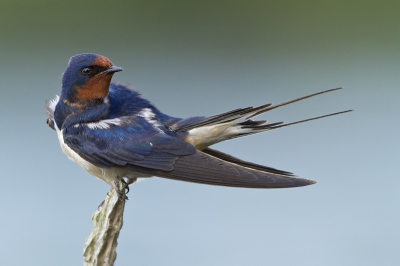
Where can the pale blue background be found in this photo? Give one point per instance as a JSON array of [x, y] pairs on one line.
[[202, 58]]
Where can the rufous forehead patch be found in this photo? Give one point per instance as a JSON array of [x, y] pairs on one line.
[[102, 61]]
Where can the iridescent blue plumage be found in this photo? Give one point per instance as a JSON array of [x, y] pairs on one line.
[[114, 133], [118, 129], [129, 140]]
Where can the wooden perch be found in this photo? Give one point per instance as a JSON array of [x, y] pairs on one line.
[[100, 246]]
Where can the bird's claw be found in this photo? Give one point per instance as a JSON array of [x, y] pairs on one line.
[[126, 187], [121, 196]]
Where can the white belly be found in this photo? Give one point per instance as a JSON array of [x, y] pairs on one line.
[[109, 175]]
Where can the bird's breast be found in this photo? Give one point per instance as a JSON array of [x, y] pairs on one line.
[[73, 156], [109, 175]]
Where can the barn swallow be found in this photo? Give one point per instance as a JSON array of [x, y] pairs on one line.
[[115, 134]]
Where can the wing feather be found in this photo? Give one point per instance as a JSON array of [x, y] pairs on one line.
[[206, 169], [231, 159], [133, 143]]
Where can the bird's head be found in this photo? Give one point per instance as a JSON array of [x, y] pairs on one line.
[[87, 78]]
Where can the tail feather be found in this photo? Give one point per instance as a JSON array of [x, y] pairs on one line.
[[306, 120], [238, 123], [250, 130], [241, 115], [221, 118], [272, 107]]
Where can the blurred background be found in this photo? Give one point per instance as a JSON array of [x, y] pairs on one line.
[[203, 58]]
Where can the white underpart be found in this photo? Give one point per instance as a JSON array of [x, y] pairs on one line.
[[203, 137], [148, 114], [109, 175]]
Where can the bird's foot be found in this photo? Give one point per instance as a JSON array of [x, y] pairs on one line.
[[126, 186], [121, 188]]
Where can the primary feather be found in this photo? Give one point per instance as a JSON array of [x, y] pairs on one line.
[[114, 133]]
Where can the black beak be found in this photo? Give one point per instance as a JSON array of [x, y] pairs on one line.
[[111, 70]]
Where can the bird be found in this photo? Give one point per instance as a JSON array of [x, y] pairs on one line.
[[118, 136]]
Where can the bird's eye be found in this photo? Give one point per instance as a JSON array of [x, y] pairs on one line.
[[86, 71]]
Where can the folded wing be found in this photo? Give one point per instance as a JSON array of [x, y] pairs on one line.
[[206, 169]]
